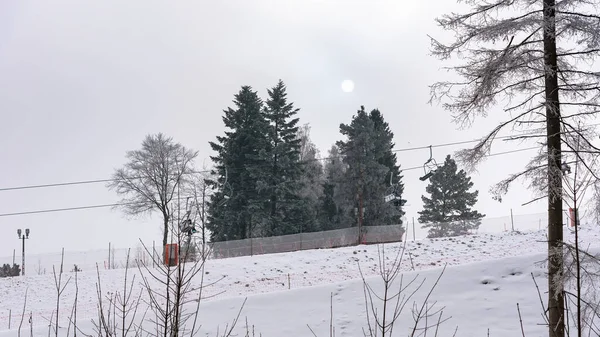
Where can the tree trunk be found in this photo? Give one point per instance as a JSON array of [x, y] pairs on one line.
[[165, 234], [275, 173], [556, 305]]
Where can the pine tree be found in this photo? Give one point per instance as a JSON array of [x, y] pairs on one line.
[[448, 211], [284, 156], [236, 209], [365, 151]]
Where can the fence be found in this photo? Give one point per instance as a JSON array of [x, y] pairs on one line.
[[370, 235], [302, 241], [116, 257]]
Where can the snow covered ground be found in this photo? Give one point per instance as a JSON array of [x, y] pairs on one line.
[[488, 275]]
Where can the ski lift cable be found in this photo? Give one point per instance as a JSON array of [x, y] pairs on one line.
[[97, 181], [53, 210]]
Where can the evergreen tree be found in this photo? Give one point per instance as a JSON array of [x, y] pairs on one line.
[[448, 211], [384, 141], [236, 209], [333, 171], [284, 156], [365, 152]]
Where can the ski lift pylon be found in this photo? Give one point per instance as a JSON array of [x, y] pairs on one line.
[[430, 166]]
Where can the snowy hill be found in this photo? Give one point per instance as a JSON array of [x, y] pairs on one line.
[[488, 275]]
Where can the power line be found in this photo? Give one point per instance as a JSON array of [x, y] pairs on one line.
[[59, 210], [82, 182], [96, 181], [486, 156], [121, 204]]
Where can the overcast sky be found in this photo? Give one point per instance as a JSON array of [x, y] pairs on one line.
[[82, 82]]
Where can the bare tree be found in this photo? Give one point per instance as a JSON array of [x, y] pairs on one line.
[[201, 192], [151, 177], [582, 269], [529, 54], [311, 180]]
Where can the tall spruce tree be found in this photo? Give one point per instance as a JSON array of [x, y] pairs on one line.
[[284, 156], [236, 209], [365, 151], [449, 209], [384, 140]]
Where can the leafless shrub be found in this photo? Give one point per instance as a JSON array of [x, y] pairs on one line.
[[23, 313], [39, 269], [60, 288], [176, 291], [73, 318], [111, 261], [581, 291], [582, 272], [141, 258], [119, 316], [384, 309]]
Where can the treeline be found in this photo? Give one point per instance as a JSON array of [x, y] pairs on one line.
[[269, 179]]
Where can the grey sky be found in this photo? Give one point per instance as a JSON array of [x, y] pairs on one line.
[[81, 82]]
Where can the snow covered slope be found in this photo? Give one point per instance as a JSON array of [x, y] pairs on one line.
[[488, 275]]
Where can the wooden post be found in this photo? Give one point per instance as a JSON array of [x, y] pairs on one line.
[[360, 218], [109, 255], [413, 229], [512, 221]]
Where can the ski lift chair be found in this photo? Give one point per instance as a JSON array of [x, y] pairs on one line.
[[393, 191], [566, 169], [429, 167], [225, 189]]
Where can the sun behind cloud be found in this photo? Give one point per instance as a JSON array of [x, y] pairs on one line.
[[347, 86]]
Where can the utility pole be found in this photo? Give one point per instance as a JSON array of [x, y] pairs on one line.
[[22, 238]]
